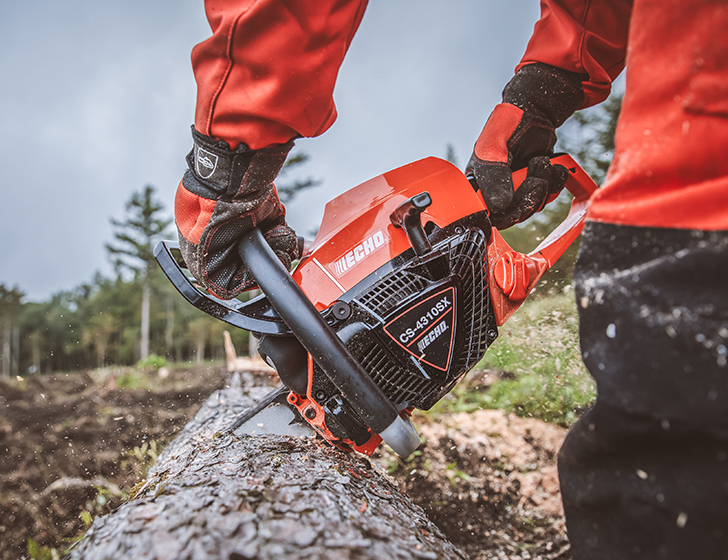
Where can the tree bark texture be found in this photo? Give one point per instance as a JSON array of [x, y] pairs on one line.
[[213, 494]]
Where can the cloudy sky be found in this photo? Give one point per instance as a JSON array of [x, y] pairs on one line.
[[96, 100]]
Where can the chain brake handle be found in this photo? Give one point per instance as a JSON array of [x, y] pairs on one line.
[[513, 275]]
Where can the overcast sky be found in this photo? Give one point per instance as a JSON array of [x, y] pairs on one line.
[[96, 100]]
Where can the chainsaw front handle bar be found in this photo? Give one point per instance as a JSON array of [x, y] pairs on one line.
[[255, 315], [326, 348]]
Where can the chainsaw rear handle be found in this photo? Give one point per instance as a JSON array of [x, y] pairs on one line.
[[325, 347], [582, 186], [512, 274]]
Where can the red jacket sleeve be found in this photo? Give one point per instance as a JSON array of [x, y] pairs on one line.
[[588, 37], [267, 73]]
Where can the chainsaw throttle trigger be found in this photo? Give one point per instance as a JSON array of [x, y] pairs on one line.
[[407, 216]]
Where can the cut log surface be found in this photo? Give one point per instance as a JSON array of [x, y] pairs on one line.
[[213, 494]]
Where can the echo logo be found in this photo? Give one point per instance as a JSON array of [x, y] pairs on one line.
[[359, 253]]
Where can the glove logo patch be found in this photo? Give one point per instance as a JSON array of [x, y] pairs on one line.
[[205, 163]]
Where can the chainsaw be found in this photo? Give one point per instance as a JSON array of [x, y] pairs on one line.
[[398, 297]]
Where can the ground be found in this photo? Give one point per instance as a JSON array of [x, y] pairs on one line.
[[74, 445]]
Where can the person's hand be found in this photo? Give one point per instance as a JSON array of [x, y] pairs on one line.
[[520, 132], [222, 196]]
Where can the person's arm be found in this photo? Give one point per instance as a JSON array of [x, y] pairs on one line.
[[587, 37], [264, 78], [267, 73], [578, 47]]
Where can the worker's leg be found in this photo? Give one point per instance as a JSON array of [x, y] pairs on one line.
[[644, 474]]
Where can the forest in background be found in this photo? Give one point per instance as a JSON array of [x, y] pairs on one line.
[[137, 315]]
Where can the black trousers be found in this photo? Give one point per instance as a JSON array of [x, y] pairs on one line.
[[644, 473]]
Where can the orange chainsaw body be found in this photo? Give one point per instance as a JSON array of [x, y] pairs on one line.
[[357, 238]]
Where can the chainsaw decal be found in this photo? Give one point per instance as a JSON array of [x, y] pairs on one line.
[[345, 263], [427, 329]]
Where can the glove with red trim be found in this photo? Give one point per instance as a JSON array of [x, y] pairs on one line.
[[222, 196], [520, 132]]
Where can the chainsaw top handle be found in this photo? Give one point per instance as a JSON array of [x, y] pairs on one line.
[[324, 346]]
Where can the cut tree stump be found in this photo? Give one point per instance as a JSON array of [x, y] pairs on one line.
[[213, 494]]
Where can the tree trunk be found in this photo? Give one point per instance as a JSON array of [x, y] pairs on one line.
[[169, 332], [16, 351], [213, 494], [144, 347], [200, 351], [35, 348], [253, 341], [6, 347], [102, 342]]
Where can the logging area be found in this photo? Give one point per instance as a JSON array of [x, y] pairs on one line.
[[76, 447]]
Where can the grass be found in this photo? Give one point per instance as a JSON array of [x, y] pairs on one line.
[[541, 374]]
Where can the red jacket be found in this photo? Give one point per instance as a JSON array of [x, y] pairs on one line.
[[267, 75]]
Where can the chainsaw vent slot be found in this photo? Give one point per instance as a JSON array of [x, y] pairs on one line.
[[399, 384], [388, 293]]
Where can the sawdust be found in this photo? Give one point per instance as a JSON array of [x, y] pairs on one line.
[[73, 445]]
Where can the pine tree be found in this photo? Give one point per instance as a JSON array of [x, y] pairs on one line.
[[287, 191], [136, 237]]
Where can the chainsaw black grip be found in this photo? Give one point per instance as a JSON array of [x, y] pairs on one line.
[[319, 340]]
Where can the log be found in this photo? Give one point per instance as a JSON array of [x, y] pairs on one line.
[[213, 494]]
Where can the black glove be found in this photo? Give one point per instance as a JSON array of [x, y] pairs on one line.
[[222, 196], [521, 132]]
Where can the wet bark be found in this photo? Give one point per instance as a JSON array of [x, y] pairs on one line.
[[213, 494]]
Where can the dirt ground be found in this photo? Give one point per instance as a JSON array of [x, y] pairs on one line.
[[74, 445], [489, 481]]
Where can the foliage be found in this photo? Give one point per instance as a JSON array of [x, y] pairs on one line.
[[450, 155], [142, 458], [589, 136], [288, 191], [153, 361], [137, 234], [37, 552], [541, 374]]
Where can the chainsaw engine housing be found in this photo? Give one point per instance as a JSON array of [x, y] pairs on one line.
[[418, 322]]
